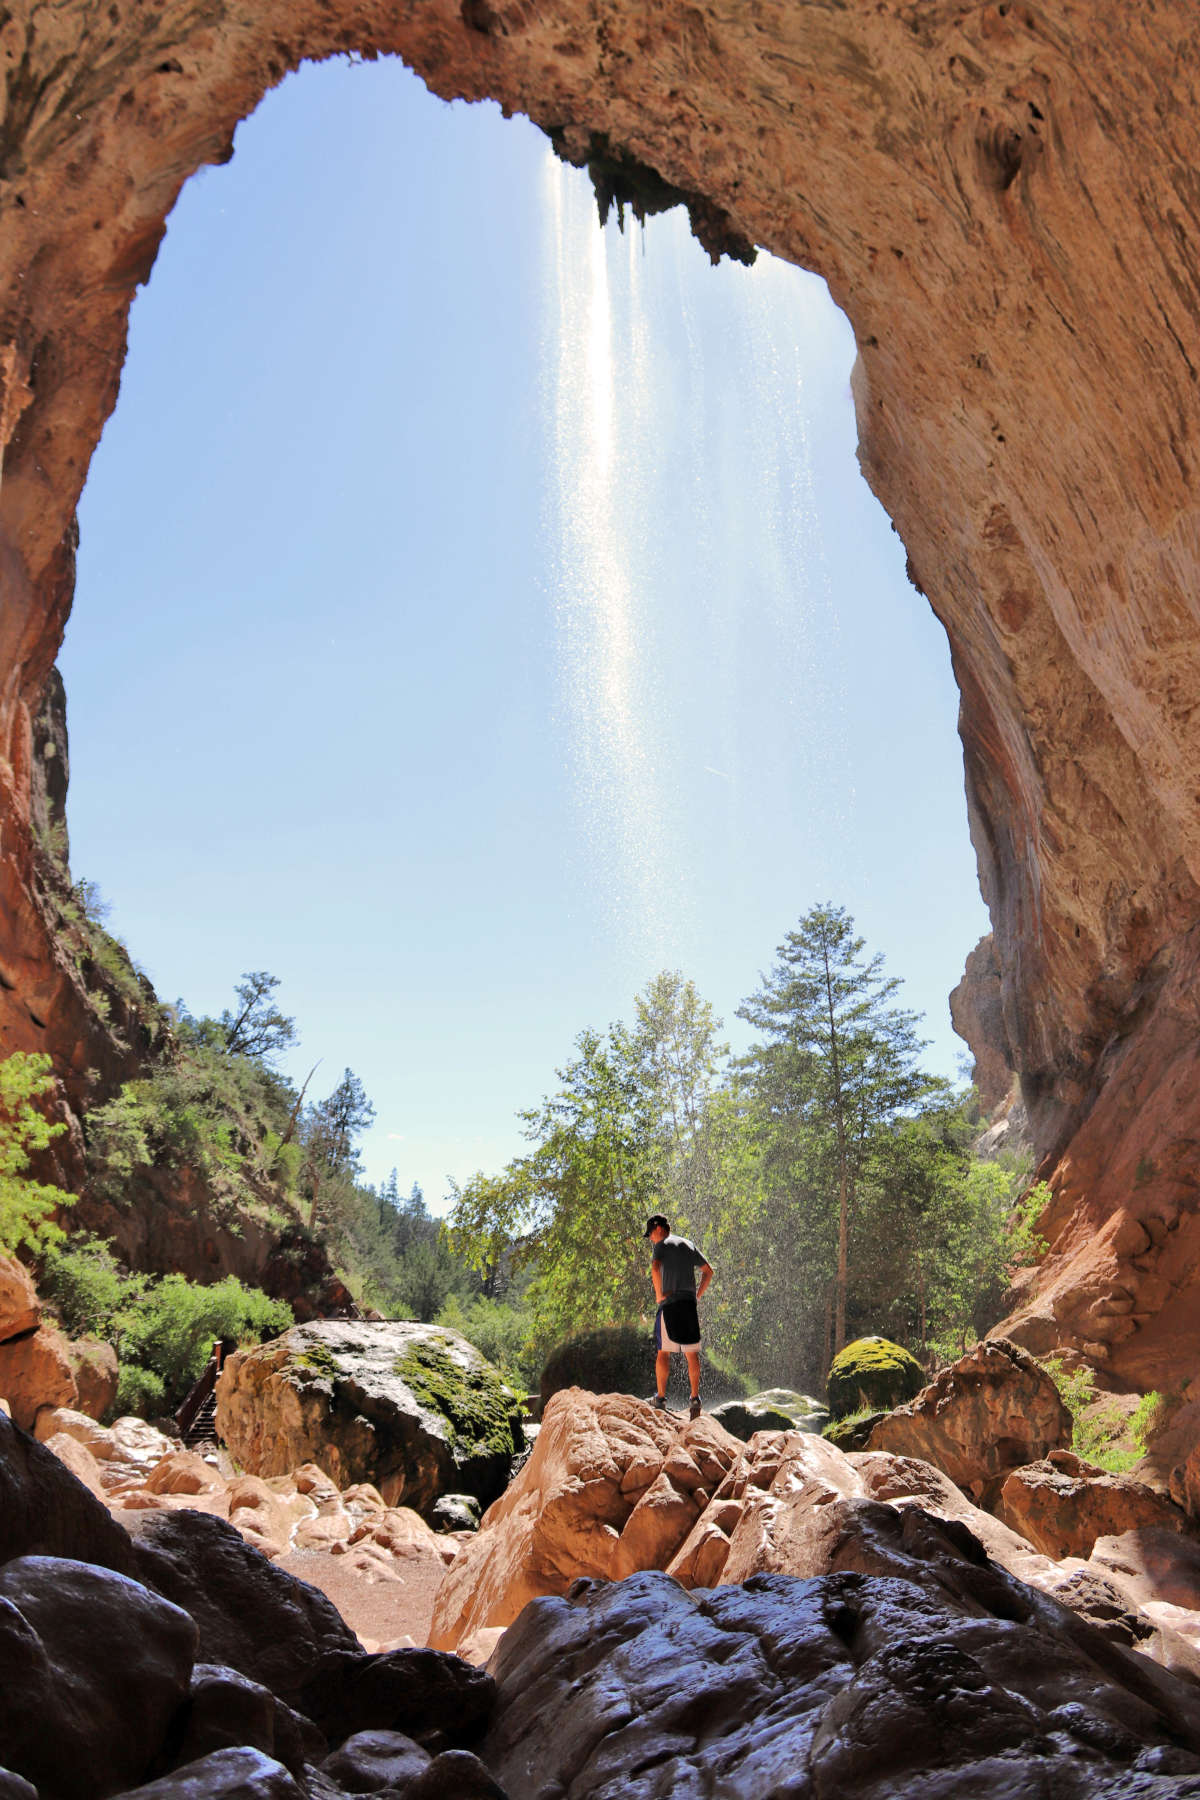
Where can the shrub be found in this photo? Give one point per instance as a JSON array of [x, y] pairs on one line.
[[162, 1328], [139, 1391], [499, 1332], [872, 1374], [1100, 1434]]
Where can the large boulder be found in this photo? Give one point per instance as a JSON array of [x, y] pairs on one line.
[[252, 1616], [96, 1370], [241, 1774], [1063, 1504], [20, 1308], [776, 1409], [842, 1686], [45, 1510], [612, 1485], [36, 1372], [870, 1373], [619, 1359], [413, 1409], [93, 1667], [992, 1410]]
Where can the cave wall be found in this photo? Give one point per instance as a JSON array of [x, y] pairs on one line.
[[1003, 198]]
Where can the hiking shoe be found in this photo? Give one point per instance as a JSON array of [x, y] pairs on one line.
[[694, 1408], [659, 1402]]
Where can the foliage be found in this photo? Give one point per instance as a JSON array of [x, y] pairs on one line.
[[872, 1373], [26, 1205], [837, 1068], [851, 1431], [499, 1331], [1025, 1243], [161, 1326], [1104, 1434], [139, 1391]]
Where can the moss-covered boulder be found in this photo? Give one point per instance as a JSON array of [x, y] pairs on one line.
[[619, 1359], [872, 1375], [413, 1409], [776, 1409]]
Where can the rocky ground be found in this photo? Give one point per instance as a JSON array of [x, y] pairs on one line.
[[653, 1607]]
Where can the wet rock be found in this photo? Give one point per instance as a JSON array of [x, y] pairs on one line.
[[242, 1774], [252, 1616], [455, 1775], [619, 1359], [45, 1510], [742, 1418], [371, 1760], [226, 1710], [413, 1409], [93, 1667], [993, 1410], [436, 1699], [853, 1433], [841, 1686], [455, 1512], [15, 1787], [1062, 1504]]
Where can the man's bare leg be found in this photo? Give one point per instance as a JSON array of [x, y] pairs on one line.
[[693, 1363], [662, 1371]]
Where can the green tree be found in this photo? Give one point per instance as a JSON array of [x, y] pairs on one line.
[[256, 1027], [330, 1137], [26, 1205], [838, 1066]]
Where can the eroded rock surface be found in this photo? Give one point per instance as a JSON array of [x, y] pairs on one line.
[[1063, 1504], [412, 1409], [992, 1410], [838, 1686]]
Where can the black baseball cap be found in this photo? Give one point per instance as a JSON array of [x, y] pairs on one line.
[[656, 1219]]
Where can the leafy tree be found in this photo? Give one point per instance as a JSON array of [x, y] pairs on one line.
[[838, 1067], [26, 1205]]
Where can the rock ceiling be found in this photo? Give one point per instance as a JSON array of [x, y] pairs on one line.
[[1003, 199]]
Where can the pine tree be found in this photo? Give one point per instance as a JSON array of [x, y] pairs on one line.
[[838, 1067]]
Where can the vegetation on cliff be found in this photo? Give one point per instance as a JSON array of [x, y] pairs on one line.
[[27, 1206]]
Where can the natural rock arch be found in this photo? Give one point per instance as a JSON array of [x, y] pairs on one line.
[[1003, 200]]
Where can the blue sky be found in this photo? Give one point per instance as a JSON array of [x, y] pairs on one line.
[[476, 615]]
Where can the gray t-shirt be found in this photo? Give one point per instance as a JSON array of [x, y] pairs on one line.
[[678, 1259]]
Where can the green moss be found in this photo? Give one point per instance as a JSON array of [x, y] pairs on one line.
[[871, 1374], [321, 1358], [475, 1403], [852, 1432]]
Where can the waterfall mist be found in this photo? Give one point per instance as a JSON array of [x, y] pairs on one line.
[[688, 578]]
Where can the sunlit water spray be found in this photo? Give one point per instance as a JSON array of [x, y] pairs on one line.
[[689, 584]]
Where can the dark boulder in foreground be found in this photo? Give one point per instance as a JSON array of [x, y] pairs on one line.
[[842, 1687]]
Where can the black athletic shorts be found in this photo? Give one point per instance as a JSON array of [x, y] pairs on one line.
[[677, 1324]]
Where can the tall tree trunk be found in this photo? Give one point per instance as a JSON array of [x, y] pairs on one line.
[[843, 1170]]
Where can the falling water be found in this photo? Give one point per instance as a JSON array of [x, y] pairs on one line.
[[690, 593]]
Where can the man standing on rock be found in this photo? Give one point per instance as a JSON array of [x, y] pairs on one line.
[[677, 1322]]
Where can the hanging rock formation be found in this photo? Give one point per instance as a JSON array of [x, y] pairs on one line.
[[1003, 199]]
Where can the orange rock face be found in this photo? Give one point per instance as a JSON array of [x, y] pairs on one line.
[[1003, 201]]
